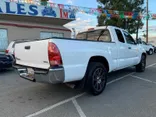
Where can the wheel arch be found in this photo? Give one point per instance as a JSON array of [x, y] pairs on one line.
[[100, 59], [144, 54], [151, 49]]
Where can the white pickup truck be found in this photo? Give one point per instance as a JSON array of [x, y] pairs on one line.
[[85, 60]]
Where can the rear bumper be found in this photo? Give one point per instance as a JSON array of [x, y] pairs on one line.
[[53, 76]]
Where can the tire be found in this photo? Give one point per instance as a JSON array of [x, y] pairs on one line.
[[96, 78], [150, 52], [142, 65]]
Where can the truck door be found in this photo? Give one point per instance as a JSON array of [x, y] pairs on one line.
[[132, 49], [122, 50]]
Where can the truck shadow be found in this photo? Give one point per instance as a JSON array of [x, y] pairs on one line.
[[120, 73], [62, 89], [44, 92], [24, 94]]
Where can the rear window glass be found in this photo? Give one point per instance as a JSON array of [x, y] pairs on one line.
[[81, 36], [93, 35], [97, 35]]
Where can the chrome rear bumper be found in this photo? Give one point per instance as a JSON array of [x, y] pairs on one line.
[[53, 76]]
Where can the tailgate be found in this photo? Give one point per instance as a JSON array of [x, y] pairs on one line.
[[32, 54]]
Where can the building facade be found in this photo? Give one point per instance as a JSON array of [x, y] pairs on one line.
[[28, 21]]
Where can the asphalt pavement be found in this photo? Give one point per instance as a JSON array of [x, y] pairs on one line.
[[128, 94]]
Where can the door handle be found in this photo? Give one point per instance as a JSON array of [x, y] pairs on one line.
[[129, 48], [27, 47]]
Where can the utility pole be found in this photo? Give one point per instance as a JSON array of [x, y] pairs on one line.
[[147, 17], [138, 25], [125, 21]]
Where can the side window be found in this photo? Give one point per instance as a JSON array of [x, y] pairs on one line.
[[119, 35], [129, 38], [138, 41]]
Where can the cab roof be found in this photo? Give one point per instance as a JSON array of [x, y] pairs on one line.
[[100, 27]]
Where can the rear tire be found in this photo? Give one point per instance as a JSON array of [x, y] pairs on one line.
[[96, 78], [142, 65]]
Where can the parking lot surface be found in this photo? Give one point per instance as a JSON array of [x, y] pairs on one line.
[[128, 94]]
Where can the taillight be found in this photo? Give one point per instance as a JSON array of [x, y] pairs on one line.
[[54, 55], [6, 51]]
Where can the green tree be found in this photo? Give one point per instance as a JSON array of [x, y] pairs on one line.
[[44, 2], [132, 25]]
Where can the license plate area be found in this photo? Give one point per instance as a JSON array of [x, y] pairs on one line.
[[30, 73]]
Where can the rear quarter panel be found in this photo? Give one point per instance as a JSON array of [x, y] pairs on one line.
[[76, 55]]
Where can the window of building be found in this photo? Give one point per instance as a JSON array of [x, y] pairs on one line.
[[129, 38], [119, 35], [3, 39], [44, 35]]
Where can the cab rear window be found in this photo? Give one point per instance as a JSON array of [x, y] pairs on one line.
[[81, 36], [96, 35]]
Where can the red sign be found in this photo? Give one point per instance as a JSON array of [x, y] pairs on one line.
[[63, 14]]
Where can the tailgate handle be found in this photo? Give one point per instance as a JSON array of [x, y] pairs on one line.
[[27, 47]]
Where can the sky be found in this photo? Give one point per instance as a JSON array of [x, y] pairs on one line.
[[85, 21], [152, 23]]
